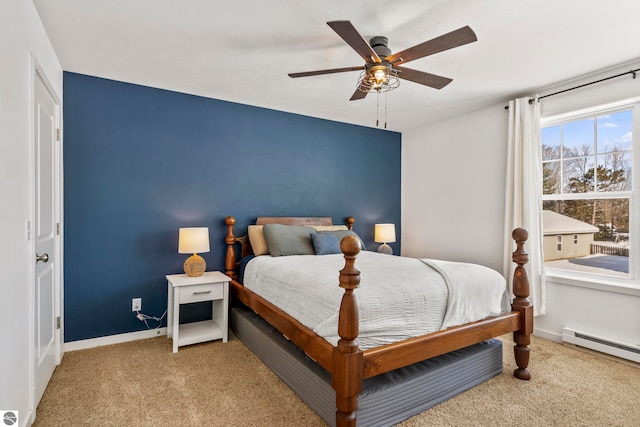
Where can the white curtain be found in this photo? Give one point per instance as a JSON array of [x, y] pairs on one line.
[[523, 198]]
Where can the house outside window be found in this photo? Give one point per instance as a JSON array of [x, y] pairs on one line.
[[588, 196]]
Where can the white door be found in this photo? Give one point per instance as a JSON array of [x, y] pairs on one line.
[[46, 337]]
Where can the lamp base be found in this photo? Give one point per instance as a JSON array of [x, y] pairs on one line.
[[385, 249], [194, 266]]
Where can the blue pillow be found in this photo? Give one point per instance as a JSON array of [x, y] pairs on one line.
[[340, 234], [326, 244]]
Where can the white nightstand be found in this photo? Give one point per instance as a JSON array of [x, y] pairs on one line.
[[182, 289]]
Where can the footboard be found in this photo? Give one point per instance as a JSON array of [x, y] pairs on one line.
[[352, 365]]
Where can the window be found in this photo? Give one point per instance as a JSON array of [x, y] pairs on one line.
[[587, 165]]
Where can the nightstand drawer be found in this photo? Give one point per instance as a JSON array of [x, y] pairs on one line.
[[197, 293]]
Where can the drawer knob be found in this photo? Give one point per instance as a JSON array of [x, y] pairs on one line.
[[202, 292]]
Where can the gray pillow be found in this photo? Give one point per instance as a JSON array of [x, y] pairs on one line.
[[284, 240], [340, 234], [325, 244]]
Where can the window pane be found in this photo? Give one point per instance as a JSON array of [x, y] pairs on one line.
[[578, 175], [578, 135], [551, 177], [614, 172], [600, 227], [550, 138], [614, 132]]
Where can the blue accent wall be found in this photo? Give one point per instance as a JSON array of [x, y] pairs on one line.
[[140, 162]]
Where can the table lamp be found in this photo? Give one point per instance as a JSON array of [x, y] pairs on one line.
[[194, 240], [385, 233]]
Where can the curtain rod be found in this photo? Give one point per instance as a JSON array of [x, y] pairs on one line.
[[632, 72]]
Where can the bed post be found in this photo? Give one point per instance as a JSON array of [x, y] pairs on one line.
[[350, 221], [522, 337], [230, 240], [347, 356]]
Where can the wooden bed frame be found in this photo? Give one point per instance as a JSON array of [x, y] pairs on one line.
[[346, 362]]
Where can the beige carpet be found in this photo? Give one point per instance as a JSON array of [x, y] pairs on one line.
[[142, 383]]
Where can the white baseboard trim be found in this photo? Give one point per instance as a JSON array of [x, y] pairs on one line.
[[30, 419], [113, 339], [547, 335]]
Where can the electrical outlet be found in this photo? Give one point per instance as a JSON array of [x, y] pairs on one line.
[[136, 304]]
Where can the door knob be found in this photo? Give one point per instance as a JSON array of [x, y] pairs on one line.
[[43, 257]]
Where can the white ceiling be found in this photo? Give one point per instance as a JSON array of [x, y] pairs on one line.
[[242, 50]]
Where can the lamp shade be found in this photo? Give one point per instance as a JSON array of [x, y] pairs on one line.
[[385, 233], [193, 240]]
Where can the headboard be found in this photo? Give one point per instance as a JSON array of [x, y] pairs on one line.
[[232, 262], [294, 220]]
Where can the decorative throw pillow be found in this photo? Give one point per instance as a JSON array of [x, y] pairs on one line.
[[257, 240], [325, 244], [285, 240], [340, 234]]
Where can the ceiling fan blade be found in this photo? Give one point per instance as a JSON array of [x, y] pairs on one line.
[[455, 38], [427, 79], [353, 38], [358, 94], [329, 71]]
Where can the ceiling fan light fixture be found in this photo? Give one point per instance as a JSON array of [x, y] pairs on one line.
[[378, 77]]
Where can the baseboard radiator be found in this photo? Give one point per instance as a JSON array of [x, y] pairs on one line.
[[603, 345]]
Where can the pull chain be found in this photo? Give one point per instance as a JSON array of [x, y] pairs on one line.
[[385, 110], [377, 108]]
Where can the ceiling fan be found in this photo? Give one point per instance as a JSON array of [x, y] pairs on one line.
[[383, 70]]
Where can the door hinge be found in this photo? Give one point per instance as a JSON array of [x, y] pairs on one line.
[[58, 228], [58, 134], [58, 322]]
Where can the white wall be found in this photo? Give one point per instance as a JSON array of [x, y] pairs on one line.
[[453, 188], [453, 208], [21, 33]]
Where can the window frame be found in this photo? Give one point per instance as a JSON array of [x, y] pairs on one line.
[[630, 284]]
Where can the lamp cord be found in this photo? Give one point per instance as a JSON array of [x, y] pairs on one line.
[[145, 317]]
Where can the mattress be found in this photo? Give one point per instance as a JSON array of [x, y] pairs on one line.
[[388, 398], [398, 297]]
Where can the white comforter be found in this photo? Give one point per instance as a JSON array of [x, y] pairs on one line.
[[398, 297]]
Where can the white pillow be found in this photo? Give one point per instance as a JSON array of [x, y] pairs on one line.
[[257, 240], [330, 227]]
